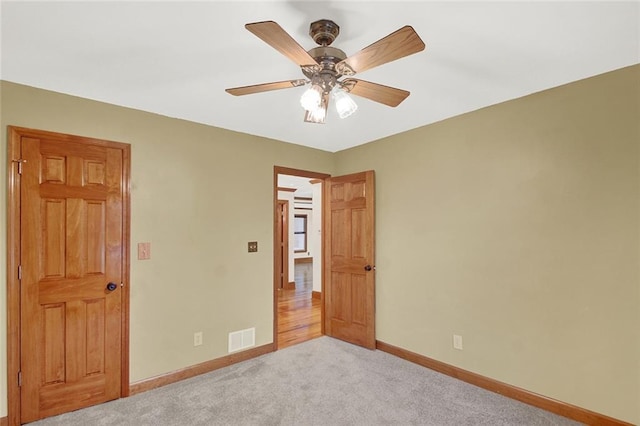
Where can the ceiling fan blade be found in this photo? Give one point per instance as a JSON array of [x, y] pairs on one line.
[[265, 87], [401, 43], [273, 34], [376, 92]]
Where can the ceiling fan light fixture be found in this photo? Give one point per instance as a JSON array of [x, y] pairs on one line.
[[311, 98], [345, 105], [317, 115]]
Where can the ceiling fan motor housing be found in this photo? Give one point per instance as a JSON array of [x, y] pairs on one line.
[[327, 57]]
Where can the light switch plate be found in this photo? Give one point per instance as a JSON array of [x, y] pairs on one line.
[[144, 251], [253, 246]]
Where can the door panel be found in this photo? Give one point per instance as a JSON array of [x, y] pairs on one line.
[[349, 245], [71, 247]]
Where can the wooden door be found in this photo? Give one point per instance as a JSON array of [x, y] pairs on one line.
[[71, 248], [349, 285], [282, 237]]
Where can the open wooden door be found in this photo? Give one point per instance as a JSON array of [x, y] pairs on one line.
[[282, 242], [72, 263], [349, 283]]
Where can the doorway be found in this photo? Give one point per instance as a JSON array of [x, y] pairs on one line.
[[298, 301], [68, 281], [346, 255]]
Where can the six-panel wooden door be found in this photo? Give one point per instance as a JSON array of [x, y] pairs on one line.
[[71, 249], [349, 258]]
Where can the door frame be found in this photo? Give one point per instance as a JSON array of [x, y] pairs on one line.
[[279, 170], [14, 135]]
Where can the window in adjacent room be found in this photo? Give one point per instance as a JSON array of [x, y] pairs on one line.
[[300, 233]]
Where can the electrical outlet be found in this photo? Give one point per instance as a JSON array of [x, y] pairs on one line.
[[253, 246], [457, 342], [197, 338]]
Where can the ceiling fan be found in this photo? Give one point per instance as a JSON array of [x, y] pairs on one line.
[[323, 66]]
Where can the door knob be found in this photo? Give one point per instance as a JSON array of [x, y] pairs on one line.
[[368, 268], [112, 286]]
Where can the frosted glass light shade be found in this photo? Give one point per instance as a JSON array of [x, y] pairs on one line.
[[344, 104], [311, 98], [317, 115]]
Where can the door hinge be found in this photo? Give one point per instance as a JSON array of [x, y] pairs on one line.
[[19, 161], [19, 272], [19, 378]]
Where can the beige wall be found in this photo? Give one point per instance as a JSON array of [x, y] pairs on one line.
[[517, 227], [185, 184]]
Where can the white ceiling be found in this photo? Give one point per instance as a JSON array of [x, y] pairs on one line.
[[176, 58], [303, 185]]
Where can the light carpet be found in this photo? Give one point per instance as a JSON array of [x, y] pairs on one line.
[[320, 382]]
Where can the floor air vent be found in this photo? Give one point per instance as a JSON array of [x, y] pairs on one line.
[[242, 339]]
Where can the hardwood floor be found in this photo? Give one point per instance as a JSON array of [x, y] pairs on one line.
[[298, 312]]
